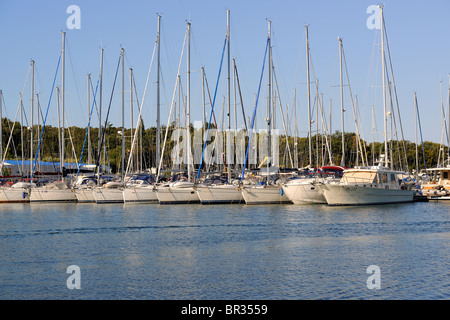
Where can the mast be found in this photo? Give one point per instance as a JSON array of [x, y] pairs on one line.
[[89, 112], [59, 122], [188, 100], [295, 130], [32, 117], [269, 107], [415, 132], [100, 115], [342, 102], [38, 110], [229, 101], [203, 99], [21, 130], [373, 133], [383, 62], [123, 115], [131, 114], [63, 102], [309, 96], [158, 126], [235, 101]]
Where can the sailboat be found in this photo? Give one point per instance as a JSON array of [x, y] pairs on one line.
[[181, 191], [222, 193], [265, 192], [303, 189], [57, 191], [84, 184], [378, 184], [140, 188], [112, 191]]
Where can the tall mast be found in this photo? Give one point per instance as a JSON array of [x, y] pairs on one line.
[[383, 62], [58, 92], [158, 129], [235, 101], [373, 133], [203, 99], [123, 115], [188, 100], [269, 106], [415, 132], [21, 130], [38, 109], [229, 101], [89, 113], [32, 116], [100, 113], [63, 101], [342, 102], [131, 115], [309, 96], [295, 130]]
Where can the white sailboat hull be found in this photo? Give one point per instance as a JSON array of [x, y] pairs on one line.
[[265, 195], [168, 195], [220, 194], [342, 195], [304, 192], [54, 195], [108, 195], [11, 195], [145, 194], [84, 195]]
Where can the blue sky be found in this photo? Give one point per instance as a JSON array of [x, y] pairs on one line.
[[417, 31]]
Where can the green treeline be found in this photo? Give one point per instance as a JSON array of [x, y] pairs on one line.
[[403, 152]]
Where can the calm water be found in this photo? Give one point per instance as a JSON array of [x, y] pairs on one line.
[[224, 252]]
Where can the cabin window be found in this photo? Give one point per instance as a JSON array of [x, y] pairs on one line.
[[445, 175], [359, 176], [393, 177], [384, 177]]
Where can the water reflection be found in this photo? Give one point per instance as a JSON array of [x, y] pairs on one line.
[[225, 252]]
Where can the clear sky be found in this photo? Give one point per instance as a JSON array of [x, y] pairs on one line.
[[417, 34]]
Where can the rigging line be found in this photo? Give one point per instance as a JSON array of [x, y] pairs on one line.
[[10, 136], [355, 115], [172, 105], [46, 114], [212, 106], [215, 121], [395, 89], [107, 116], [139, 119], [87, 129], [420, 130], [240, 96], [46, 140], [95, 102], [73, 74], [282, 118], [254, 112], [17, 112], [9, 127]]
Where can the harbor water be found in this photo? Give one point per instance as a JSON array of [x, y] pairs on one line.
[[238, 252]]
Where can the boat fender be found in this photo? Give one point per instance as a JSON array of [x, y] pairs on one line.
[[23, 195], [281, 191]]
